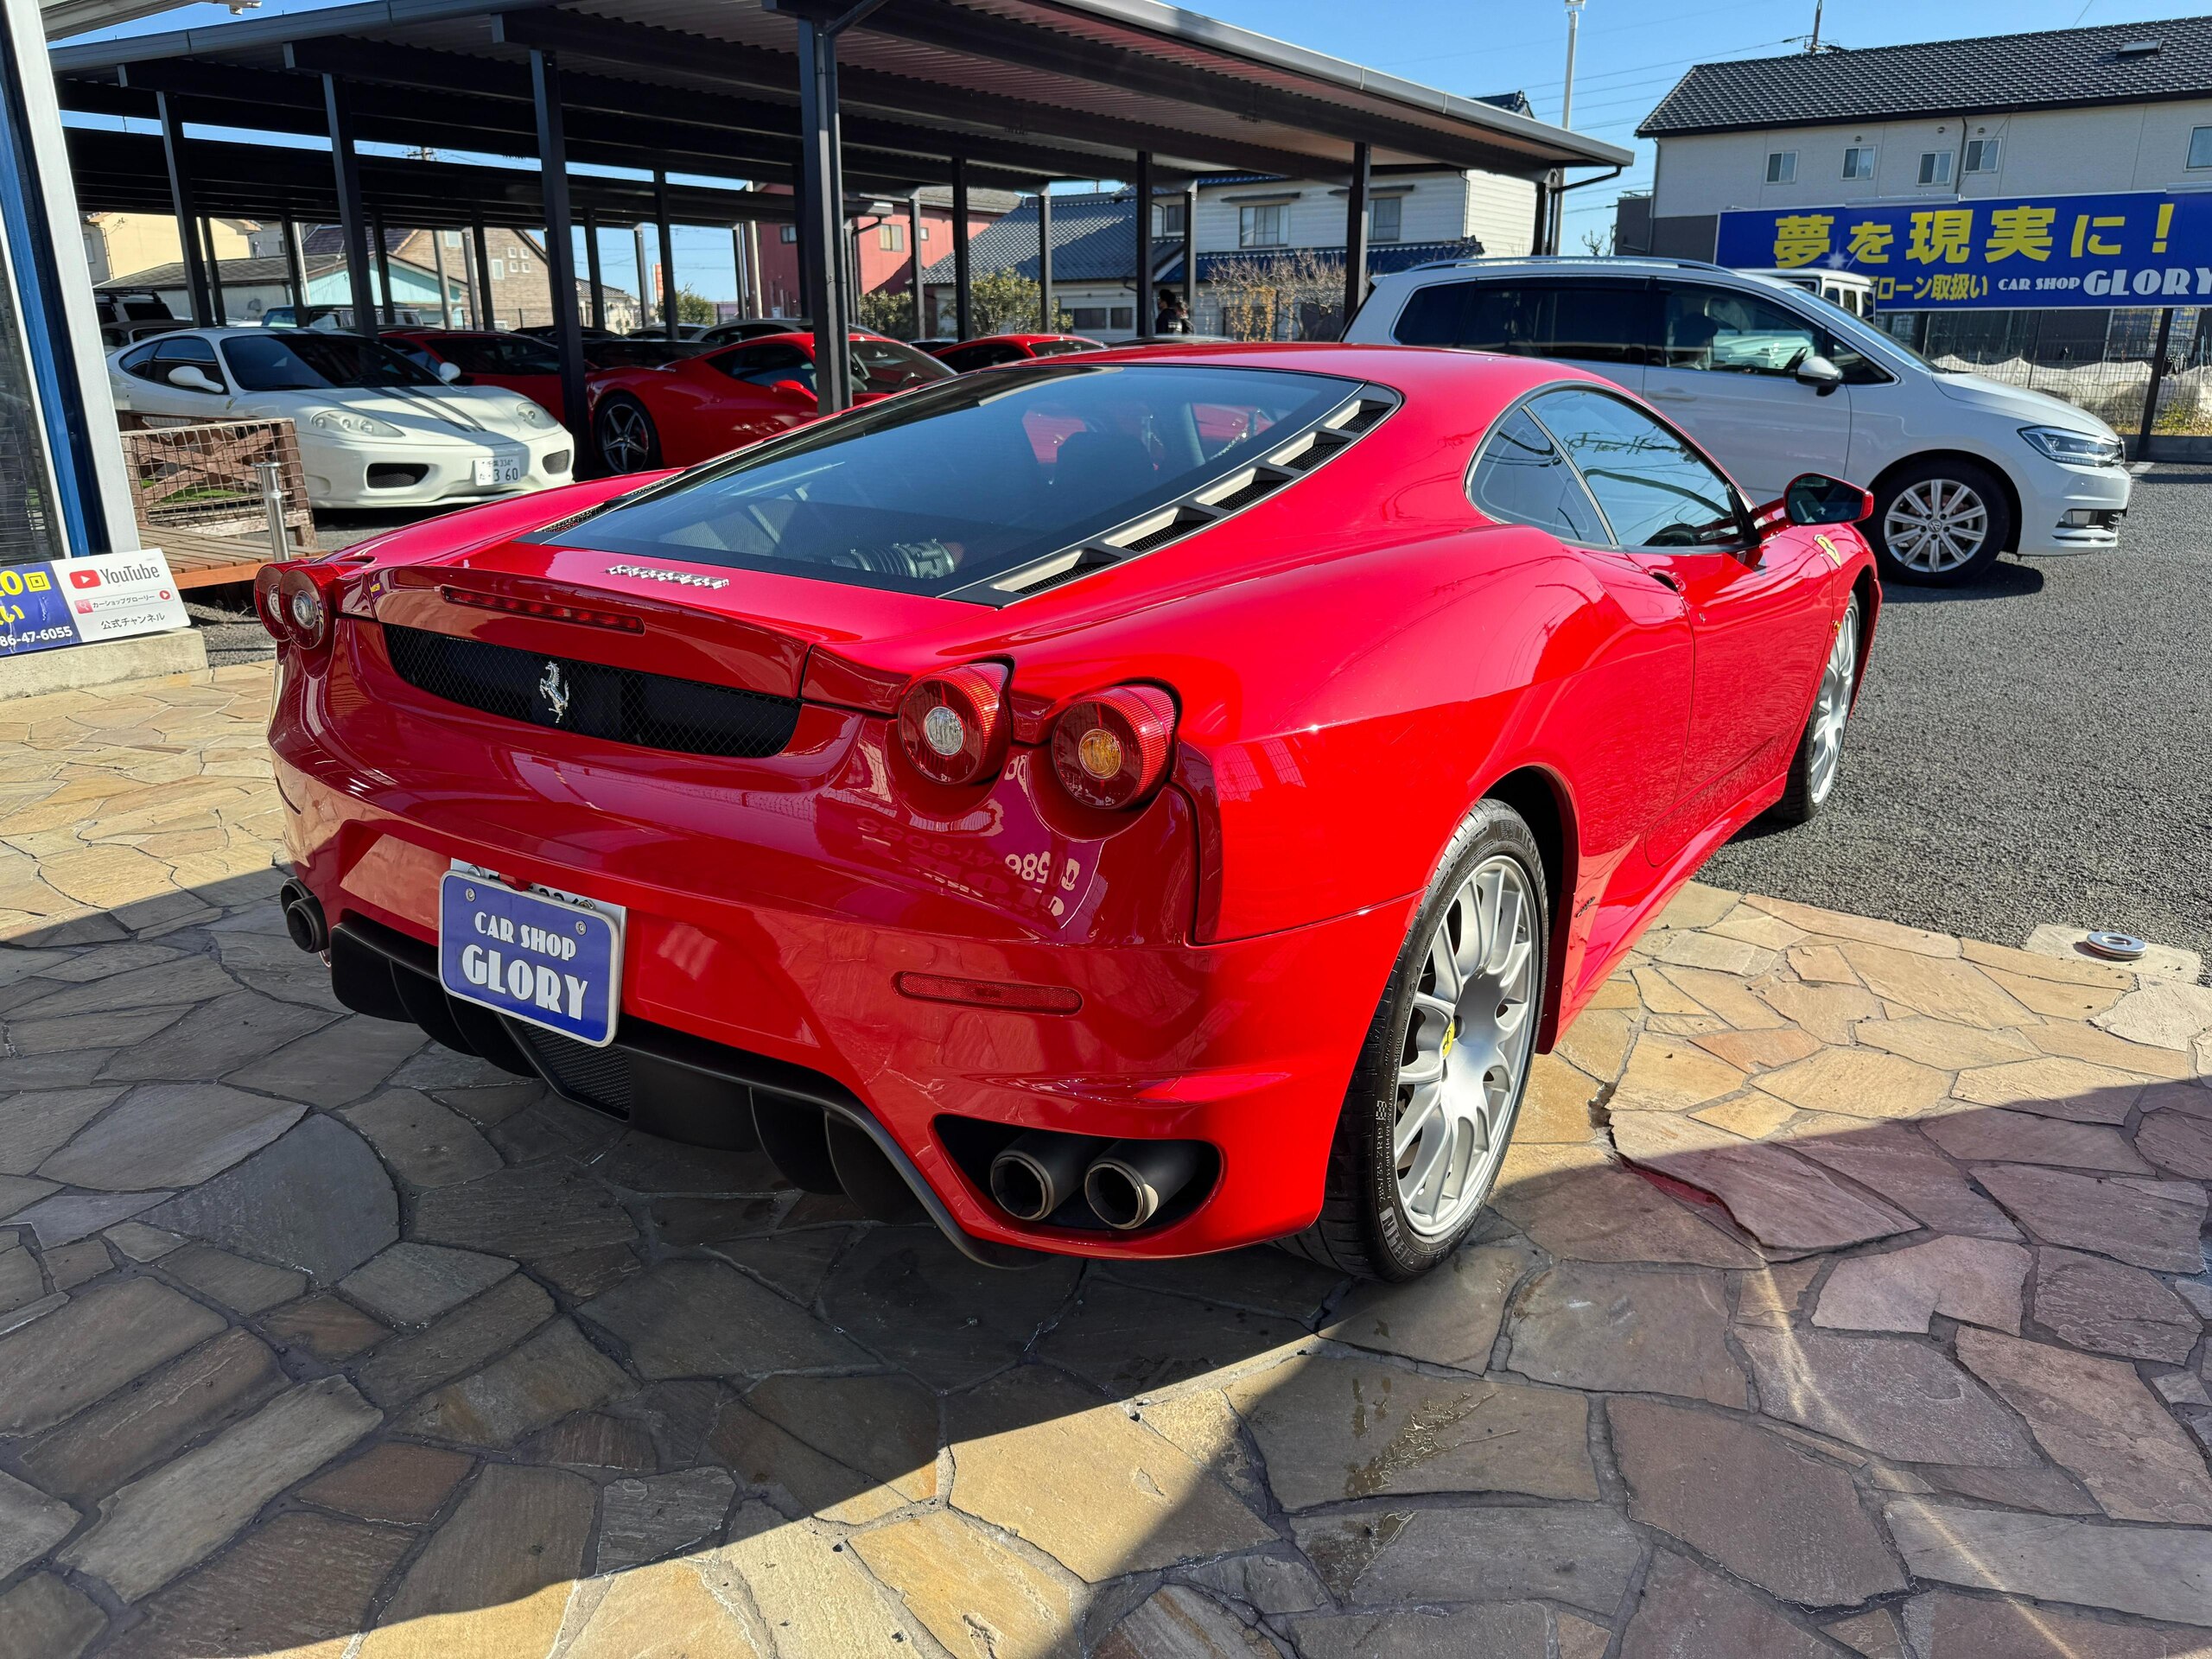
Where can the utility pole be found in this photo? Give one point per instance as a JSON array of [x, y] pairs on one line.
[[1566, 120], [1813, 44]]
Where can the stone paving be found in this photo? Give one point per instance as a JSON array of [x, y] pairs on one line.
[[1844, 1294]]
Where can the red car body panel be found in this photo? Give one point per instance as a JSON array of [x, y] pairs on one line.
[[1346, 698], [990, 351], [699, 412], [543, 390]]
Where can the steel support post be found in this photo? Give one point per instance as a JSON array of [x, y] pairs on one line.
[[195, 267], [1046, 312], [1144, 244], [295, 268], [216, 302], [386, 312], [2158, 375], [593, 277], [1355, 236], [487, 313], [821, 219], [352, 223], [1191, 253], [670, 322], [963, 286], [561, 251]]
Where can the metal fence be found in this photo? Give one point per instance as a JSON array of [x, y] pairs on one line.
[[2102, 361], [204, 477]]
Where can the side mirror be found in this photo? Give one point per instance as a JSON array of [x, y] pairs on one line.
[[195, 379], [1818, 374], [450, 373], [1816, 499], [793, 389]]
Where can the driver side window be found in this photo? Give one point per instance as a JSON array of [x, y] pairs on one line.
[[763, 365], [1656, 490], [175, 351], [1730, 333]]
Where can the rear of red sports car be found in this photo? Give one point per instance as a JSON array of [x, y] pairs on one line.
[[825, 795]]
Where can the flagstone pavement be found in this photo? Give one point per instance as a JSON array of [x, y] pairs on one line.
[[1844, 1293]]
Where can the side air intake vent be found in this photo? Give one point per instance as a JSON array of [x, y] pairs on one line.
[[1285, 464]]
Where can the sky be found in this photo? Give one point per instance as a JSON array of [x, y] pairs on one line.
[[1631, 52]]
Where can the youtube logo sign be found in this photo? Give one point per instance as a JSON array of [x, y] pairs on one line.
[[83, 578]]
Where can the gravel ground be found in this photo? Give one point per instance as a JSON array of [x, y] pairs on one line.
[[2036, 749]]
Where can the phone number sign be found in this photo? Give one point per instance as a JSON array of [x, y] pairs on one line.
[[82, 602], [1996, 253]]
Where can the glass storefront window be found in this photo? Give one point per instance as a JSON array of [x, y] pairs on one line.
[[28, 527]]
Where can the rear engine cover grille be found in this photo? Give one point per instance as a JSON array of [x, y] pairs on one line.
[[622, 705]]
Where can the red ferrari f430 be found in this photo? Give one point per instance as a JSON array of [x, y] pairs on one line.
[[1136, 804]]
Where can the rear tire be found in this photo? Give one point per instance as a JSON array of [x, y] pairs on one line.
[[1818, 764], [1940, 522], [624, 432], [1433, 1098]]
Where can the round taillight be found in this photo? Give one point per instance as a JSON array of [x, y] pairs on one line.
[[1110, 749], [267, 605], [953, 725], [305, 612]]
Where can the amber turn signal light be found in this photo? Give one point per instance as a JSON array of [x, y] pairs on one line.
[[1110, 749]]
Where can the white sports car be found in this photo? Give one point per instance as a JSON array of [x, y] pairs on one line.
[[375, 429]]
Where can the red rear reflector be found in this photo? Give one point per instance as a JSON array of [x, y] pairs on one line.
[[545, 610], [989, 993]]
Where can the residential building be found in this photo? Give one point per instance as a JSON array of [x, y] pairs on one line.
[[1283, 234], [118, 243], [520, 296], [1847, 153], [2116, 107], [251, 287], [883, 239]]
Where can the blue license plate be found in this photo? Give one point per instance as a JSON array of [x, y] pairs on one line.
[[549, 961]]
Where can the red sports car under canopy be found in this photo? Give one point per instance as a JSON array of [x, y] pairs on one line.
[[697, 408], [1137, 803]]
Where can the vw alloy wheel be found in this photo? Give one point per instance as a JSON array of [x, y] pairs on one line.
[[1467, 1047], [1831, 707], [1936, 526]]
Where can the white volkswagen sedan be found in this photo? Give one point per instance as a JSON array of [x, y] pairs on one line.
[[375, 429]]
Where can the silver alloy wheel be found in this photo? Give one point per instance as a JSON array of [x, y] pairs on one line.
[[1467, 1047], [1833, 706], [625, 438], [1935, 525]]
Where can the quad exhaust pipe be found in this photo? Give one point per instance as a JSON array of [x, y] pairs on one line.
[[1132, 1181], [1126, 1184], [303, 919], [1038, 1173]]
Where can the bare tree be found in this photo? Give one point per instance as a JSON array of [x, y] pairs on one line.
[[1294, 295]]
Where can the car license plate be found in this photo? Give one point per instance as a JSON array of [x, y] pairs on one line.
[[500, 469], [549, 959]]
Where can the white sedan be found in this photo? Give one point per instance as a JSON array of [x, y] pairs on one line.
[[375, 429]]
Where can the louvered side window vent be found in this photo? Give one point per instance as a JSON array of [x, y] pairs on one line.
[[1220, 499]]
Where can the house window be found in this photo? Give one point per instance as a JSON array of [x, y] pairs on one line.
[[1981, 154], [1782, 167], [1166, 221], [499, 270], [925, 232], [891, 238], [1262, 226], [788, 232], [453, 238], [1386, 218], [1935, 167], [2200, 147], [1088, 316], [1858, 161]]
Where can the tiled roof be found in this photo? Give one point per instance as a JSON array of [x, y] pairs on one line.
[[240, 273], [2053, 68], [1094, 241]]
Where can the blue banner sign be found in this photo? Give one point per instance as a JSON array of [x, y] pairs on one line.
[[1995, 252]]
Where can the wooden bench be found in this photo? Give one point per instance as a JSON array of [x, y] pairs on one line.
[[198, 559]]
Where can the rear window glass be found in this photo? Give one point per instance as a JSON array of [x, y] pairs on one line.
[[499, 353], [966, 480], [1523, 479]]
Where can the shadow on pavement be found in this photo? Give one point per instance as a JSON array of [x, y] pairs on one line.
[[333, 1331]]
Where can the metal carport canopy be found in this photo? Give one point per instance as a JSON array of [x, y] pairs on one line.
[[826, 95], [1022, 90]]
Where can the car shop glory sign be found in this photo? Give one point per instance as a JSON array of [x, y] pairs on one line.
[[548, 958], [1995, 252], [83, 601]]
